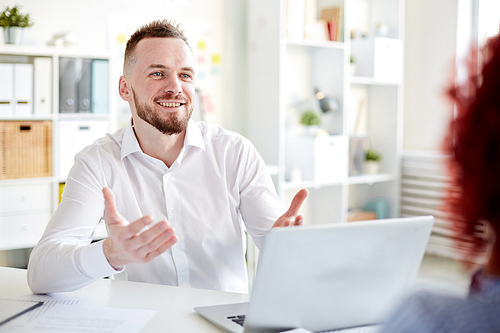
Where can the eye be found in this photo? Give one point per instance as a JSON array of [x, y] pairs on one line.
[[186, 76], [157, 74]]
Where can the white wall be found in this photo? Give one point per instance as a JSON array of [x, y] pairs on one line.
[[430, 47], [98, 23]]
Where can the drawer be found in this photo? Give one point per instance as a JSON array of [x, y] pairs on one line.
[[74, 135], [22, 231], [25, 198]]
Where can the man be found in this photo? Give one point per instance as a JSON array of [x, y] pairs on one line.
[[204, 185]]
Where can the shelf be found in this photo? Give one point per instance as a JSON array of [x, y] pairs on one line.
[[83, 116], [370, 81], [50, 51], [316, 43], [34, 180], [29, 117], [308, 184], [372, 179]]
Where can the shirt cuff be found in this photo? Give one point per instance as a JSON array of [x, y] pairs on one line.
[[92, 262]]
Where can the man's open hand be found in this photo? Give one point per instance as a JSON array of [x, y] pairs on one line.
[[125, 244], [291, 217]]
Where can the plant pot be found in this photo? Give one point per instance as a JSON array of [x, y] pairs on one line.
[[13, 35], [371, 167], [311, 130], [353, 69]]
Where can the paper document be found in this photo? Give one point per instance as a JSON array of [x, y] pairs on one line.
[[89, 318], [69, 314], [362, 329]]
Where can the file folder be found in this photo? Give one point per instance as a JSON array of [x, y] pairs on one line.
[[23, 89], [84, 96], [42, 85], [100, 86], [69, 70], [6, 89]]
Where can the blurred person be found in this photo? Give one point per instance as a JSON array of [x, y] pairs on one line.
[[473, 200]]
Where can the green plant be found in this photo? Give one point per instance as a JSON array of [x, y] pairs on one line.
[[12, 17], [309, 118], [351, 60], [372, 155]]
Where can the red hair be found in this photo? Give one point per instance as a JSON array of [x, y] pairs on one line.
[[473, 143]]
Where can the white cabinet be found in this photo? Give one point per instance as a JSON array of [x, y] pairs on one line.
[[284, 75], [26, 204]]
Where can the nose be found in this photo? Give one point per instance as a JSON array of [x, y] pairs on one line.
[[173, 85]]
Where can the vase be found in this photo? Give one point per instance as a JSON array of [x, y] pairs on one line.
[[13, 35], [311, 130], [371, 167]]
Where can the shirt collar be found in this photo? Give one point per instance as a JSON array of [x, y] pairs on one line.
[[193, 136], [486, 288], [130, 144]]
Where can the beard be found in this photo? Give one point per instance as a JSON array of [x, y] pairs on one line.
[[167, 123]]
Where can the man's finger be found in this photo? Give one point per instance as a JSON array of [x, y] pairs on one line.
[[111, 214], [297, 202]]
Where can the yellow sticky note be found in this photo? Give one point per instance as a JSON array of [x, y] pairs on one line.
[[216, 59], [121, 39], [201, 45]]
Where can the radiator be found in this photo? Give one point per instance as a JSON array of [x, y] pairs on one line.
[[423, 183]]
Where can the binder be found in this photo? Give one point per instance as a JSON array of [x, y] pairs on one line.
[[23, 89], [100, 74], [69, 69], [84, 96], [6, 89], [42, 79]]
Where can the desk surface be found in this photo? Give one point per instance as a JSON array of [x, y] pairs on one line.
[[174, 304]]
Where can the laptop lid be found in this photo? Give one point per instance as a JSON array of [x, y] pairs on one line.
[[324, 277]]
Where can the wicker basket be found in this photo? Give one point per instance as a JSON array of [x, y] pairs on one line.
[[25, 149]]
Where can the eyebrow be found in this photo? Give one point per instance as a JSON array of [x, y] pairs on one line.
[[188, 68]]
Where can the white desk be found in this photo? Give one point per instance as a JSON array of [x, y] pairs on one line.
[[174, 304]]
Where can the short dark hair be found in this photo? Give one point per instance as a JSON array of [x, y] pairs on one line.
[[160, 28]]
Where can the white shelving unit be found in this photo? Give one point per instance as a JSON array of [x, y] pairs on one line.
[[27, 204], [283, 74]]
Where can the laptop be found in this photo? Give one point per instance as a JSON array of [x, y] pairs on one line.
[[326, 277]]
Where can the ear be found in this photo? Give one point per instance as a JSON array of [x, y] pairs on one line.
[[123, 89]]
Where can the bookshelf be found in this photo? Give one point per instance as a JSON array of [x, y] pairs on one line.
[[285, 68], [27, 203]]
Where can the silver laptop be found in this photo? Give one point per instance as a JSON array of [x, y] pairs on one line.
[[326, 277]]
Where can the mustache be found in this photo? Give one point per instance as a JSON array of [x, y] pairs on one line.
[[170, 97]]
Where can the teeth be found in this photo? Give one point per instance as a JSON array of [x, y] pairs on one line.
[[170, 105]]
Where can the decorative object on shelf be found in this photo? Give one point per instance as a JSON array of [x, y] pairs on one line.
[[381, 29], [13, 24], [311, 120], [352, 64], [326, 103], [66, 39], [372, 162]]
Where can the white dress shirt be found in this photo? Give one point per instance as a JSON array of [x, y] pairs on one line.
[[218, 187]]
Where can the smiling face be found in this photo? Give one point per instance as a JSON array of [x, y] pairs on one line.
[[160, 88]]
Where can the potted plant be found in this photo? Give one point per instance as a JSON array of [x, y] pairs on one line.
[[352, 64], [311, 121], [13, 22], [372, 161]]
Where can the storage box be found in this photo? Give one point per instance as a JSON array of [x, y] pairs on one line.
[[321, 159], [25, 149], [74, 135], [379, 58]]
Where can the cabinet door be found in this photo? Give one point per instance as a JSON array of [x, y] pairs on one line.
[[74, 135]]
